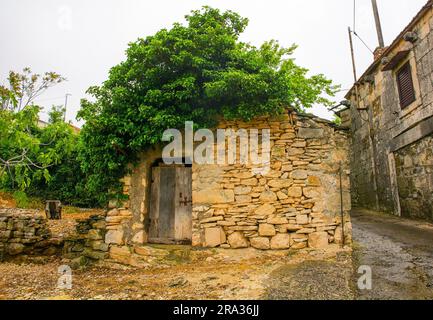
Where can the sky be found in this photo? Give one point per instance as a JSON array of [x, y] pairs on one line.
[[83, 39]]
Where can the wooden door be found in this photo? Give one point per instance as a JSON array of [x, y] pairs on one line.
[[183, 204], [170, 205]]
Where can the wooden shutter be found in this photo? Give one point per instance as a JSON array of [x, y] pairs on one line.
[[405, 86]]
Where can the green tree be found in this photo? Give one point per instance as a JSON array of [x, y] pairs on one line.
[[196, 72], [66, 180], [19, 147], [39, 160], [23, 155]]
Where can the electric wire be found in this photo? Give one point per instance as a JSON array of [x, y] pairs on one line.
[[365, 44]]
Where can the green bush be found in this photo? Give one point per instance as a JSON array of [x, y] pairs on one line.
[[21, 199]]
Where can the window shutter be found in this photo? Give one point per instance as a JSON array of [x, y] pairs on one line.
[[405, 86]]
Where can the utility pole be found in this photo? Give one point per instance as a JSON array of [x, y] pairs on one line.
[[352, 52], [66, 105], [378, 24]]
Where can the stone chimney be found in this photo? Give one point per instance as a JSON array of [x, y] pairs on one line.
[[379, 52]]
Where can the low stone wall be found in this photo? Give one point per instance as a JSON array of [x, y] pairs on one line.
[[25, 232], [93, 230]]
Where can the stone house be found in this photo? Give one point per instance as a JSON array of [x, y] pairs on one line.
[[391, 121], [298, 203]]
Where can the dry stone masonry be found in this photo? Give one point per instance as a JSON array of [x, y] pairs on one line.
[[93, 231], [295, 205], [24, 232]]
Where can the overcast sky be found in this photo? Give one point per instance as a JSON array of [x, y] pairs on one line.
[[83, 39]]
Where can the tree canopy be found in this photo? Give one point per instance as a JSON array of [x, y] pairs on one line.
[[197, 71]]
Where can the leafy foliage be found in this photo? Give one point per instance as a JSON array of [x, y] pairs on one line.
[[23, 154], [194, 72], [66, 179], [34, 158]]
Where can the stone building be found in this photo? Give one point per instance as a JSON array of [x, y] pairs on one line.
[[391, 120], [298, 203]]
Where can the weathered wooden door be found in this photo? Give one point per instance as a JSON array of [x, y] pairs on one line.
[[171, 205]]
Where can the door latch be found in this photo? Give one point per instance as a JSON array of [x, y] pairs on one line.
[[183, 200]]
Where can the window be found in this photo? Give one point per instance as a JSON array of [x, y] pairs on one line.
[[405, 85]]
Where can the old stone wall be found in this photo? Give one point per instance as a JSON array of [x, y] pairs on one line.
[[414, 165], [24, 232], [27, 233], [295, 205], [93, 231], [380, 127]]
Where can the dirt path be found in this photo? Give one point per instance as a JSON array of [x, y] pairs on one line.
[[220, 274], [235, 275], [399, 252]]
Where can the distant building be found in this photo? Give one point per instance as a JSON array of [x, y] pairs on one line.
[[391, 120], [44, 124], [75, 129]]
